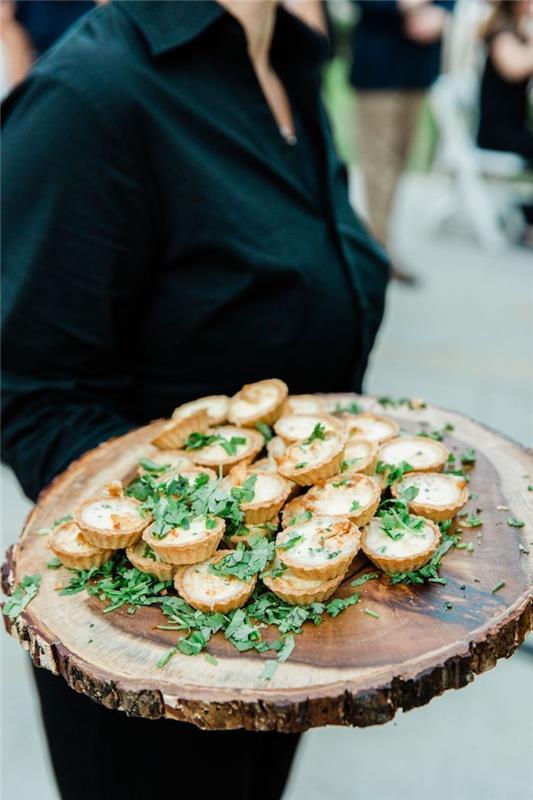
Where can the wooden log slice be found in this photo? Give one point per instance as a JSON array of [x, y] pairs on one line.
[[351, 670]]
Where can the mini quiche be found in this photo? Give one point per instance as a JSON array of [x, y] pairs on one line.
[[407, 551], [295, 589], [146, 560], [74, 551], [174, 459], [312, 460], [303, 404], [228, 446], [439, 496], [421, 452], [270, 493], [110, 521], [206, 591], [247, 532], [175, 432], [299, 427], [320, 547], [360, 455], [371, 427], [350, 495], [187, 545], [215, 405], [258, 402]]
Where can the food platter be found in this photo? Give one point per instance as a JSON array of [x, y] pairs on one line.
[[399, 647]]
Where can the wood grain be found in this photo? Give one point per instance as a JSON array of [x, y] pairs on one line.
[[352, 670]]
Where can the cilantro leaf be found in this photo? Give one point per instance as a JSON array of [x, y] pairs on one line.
[[22, 596]]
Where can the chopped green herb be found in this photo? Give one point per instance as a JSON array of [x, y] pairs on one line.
[[351, 408], [153, 467], [395, 402], [211, 659], [513, 522], [355, 505], [265, 430], [318, 433], [371, 613], [430, 571], [468, 456], [368, 576], [245, 563], [291, 542], [393, 472], [300, 465], [22, 596], [298, 519], [54, 563], [497, 587]]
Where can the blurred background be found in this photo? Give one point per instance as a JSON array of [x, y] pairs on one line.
[[431, 106]]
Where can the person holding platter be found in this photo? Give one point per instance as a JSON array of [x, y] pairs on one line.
[[176, 224]]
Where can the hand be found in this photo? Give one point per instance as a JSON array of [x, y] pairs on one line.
[[425, 25]]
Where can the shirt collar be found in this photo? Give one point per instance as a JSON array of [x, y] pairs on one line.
[[168, 24]]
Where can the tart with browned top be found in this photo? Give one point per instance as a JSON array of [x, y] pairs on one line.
[[67, 542], [350, 495], [259, 402], [207, 591], [298, 427], [313, 459], [111, 521], [372, 427], [360, 455], [319, 547], [434, 495]]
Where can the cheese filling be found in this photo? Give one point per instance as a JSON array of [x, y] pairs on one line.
[[357, 452], [303, 455], [216, 406], [435, 489], [304, 404], [215, 452], [203, 585], [341, 500], [115, 514], [297, 427], [314, 542], [268, 487], [173, 458], [375, 429], [409, 544], [417, 451]]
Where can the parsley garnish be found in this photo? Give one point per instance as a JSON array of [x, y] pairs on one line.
[[468, 456], [54, 563], [291, 542], [430, 571], [318, 433], [22, 596], [265, 430], [393, 472], [395, 402], [245, 563], [154, 468], [368, 576], [513, 522], [351, 408]]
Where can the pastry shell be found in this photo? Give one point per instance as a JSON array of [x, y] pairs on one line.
[[298, 427], [223, 606], [406, 563], [159, 569], [216, 407], [255, 444], [373, 427], [251, 394], [360, 516], [319, 470], [437, 512], [257, 512], [300, 591], [172, 551], [437, 453], [303, 404], [332, 566], [111, 538], [363, 453], [84, 556], [175, 432]]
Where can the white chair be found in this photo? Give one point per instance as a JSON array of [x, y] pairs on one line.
[[454, 100]]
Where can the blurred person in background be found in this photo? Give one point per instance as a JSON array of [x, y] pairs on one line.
[[396, 58], [15, 49], [505, 99], [176, 223]]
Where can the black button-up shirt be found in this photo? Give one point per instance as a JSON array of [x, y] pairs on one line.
[[162, 240]]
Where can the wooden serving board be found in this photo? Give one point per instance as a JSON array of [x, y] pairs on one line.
[[351, 670]]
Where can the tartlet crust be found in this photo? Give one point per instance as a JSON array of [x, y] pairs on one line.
[[303, 404], [175, 432], [91, 557], [172, 551], [320, 470], [289, 592], [109, 538], [436, 465], [255, 445], [407, 563], [254, 512], [366, 464], [159, 569], [222, 606], [436, 512], [331, 567], [251, 393], [208, 404]]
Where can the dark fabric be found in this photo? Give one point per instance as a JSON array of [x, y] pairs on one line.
[[503, 111], [384, 57], [161, 242], [100, 754], [47, 20]]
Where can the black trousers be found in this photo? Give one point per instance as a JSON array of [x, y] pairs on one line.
[[98, 754]]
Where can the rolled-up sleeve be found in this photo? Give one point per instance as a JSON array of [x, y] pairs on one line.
[[75, 247]]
